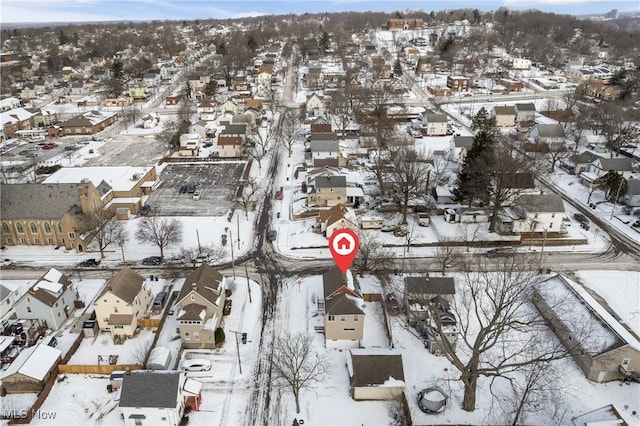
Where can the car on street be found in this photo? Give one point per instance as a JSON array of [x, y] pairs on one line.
[[580, 218], [90, 262], [499, 252], [152, 260], [197, 194], [196, 364], [48, 146]]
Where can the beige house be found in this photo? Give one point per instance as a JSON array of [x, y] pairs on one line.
[[125, 299], [343, 316], [505, 116], [25, 221], [232, 141], [200, 307], [328, 191], [337, 217], [602, 347], [375, 374]]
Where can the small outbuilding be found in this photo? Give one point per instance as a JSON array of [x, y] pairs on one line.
[[31, 369], [375, 374]]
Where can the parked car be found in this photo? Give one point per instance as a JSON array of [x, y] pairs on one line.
[[182, 189], [48, 146], [196, 195], [152, 260], [196, 364], [499, 252], [272, 235], [191, 188], [580, 218], [90, 262]]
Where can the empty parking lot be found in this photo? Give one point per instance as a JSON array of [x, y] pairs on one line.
[[216, 181]]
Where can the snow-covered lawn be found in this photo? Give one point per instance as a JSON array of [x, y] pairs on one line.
[[130, 352]]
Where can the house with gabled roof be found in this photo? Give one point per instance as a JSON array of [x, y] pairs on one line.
[[436, 124], [460, 145], [579, 163], [621, 165], [158, 397], [548, 133], [535, 213], [514, 184], [337, 217], [229, 106], [125, 299], [325, 150], [315, 105], [599, 343], [525, 112], [62, 223], [343, 314], [200, 305], [49, 300], [232, 141], [505, 116], [375, 374], [206, 110], [88, 123], [328, 186]]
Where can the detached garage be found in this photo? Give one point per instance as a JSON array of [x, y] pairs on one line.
[[375, 374], [31, 369]]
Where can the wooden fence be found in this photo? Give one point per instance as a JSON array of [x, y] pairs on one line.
[[96, 369], [149, 322]]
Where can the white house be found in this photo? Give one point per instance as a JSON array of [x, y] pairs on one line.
[[520, 64], [49, 300], [622, 165], [543, 213], [157, 398], [436, 124], [8, 298], [315, 105], [206, 110], [189, 144], [548, 133], [324, 152]]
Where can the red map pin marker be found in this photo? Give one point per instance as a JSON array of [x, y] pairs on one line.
[[343, 245]]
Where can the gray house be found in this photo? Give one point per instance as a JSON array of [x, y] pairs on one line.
[[49, 300], [525, 112], [548, 133]]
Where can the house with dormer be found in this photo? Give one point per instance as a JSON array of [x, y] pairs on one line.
[[126, 299], [337, 217], [206, 110], [49, 300], [342, 309], [200, 305]]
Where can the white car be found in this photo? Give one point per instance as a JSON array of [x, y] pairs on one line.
[[196, 364], [196, 195]]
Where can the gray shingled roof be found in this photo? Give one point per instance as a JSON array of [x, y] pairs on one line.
[[323, 137], [550, 131], [543, 203], [525, 107], [324, 146], [616, 164], [463, 141], [26, 200], [429, 285], [436, 118], [150, 389], [234, 129], [125, 284], [206, 282], [331, 182], [517, 180], [504, 110], [371, 370]]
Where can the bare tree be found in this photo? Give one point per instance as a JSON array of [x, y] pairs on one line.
[[105, 229], [169, 135], [447, 254], [296, 364], [409, 177], [209, 254], [290, 129], [259, 144], [372, 256], [160, 231], [248, 195], [499, 332]]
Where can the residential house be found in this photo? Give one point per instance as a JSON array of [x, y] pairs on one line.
[[325, 150], [314, 77], [173, 99], [550, 134], [458, 83], [200, 305], [49, 300], [232, 141], [189, 145], [505, 116], [151, 78], [8, 297], [138, 92], [607, 415], [343, 314], [329, 186], [125, 299], [320, 128], [375, 375], [512, 85], [229, 106], [13, 120], [337, 217], [88, 123], [512, 185], [206, 110], [436, 124], [158, 398], [543, 213], [460, 145], [315, 105], [9, 103], [621, 165], [599, 343], [525, 112], [520, 64], [61, 223], [579, 163], [263, 81], [31, 369], [632, 197]]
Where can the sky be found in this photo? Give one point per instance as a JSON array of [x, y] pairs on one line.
[[23, 11]]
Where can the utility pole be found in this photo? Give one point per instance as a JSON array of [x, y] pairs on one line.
[[246, 273], [238, 346], [233, 262], [544, 240], [615, 200]]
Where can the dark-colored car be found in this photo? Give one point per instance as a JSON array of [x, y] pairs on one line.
[[499, 252], [152, 260], [90, 262], [182, 189], [580, 218], [272, 235]]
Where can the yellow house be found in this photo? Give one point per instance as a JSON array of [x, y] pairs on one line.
[[343, 317], [125, 300], [200, 305]]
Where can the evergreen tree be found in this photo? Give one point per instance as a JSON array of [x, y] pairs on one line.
[[116, 70], [397, 68], [324, 41]]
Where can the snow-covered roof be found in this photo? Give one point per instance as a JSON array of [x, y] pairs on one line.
[[53, 275], [120, 178], [585, 318], [192, 387], [34, 362], [5, 342]]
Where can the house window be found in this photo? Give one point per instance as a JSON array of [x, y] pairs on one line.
[[117, 326], [349, 329], [115, 309], [193, 297], [29, 309], [343, 318], [186, 335], [19, 228], [72, 236], [33, 227], [47, 228], [625, 363], [59, 227], [5, 228], [355, 318], [332, 317], [196, 335]]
